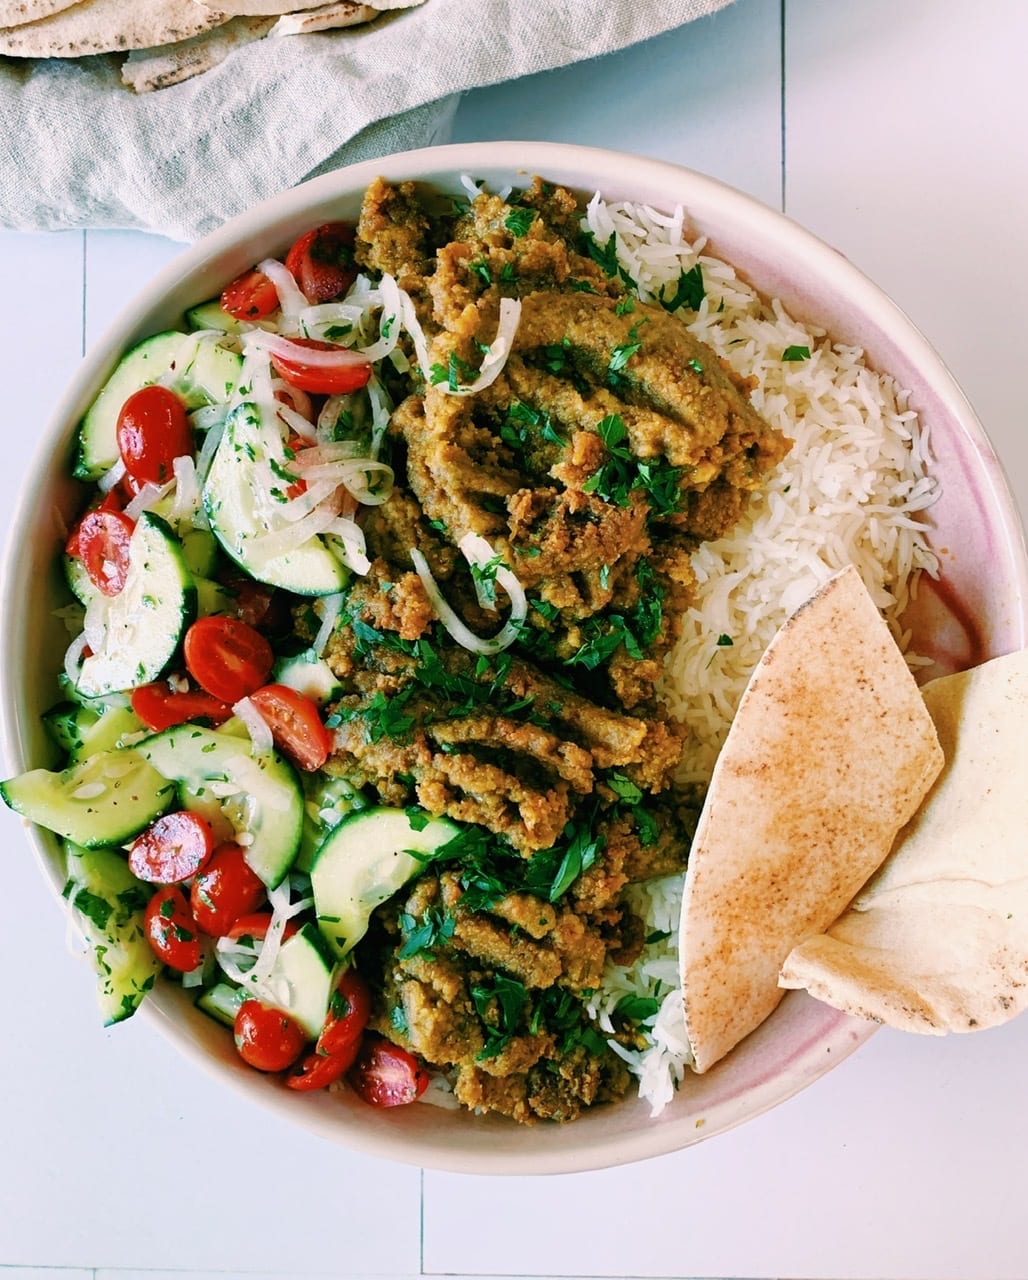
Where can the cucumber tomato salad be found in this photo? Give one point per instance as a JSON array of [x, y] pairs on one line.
[[203, 838]]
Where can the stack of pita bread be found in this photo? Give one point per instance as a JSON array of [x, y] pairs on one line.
[[168, 41]]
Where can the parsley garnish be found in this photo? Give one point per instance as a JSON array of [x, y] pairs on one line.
[[689, 291], [616, 478], [518, 221], [435, 926], [500, 1002], [796, 353]]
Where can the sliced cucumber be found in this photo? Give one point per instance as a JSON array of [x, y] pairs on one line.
[[310, 675], [327, 801], [229, 500], [207, 375], [268, 802], [146, 619], [300, 982], [82, 732], [105, 800], [367, 858], [67, 723], [211, 597], [109, 902], [78, 579], [212, 315], [200, 552], [221, 1002]]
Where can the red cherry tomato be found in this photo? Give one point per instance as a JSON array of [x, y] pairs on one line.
[[153, 431], [225, 889], [386, 1075], [227, 657], [295, 724], [348, 1011], [255, 924], [101, 540], [171, 930], [160, 707], [318, 1070], [267, 1039], [173, 848], [250, 297], [321, 261], [325, 380]]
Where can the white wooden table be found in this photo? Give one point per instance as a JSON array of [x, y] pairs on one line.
[[898, 131]]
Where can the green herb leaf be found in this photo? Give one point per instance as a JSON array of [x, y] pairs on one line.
[[689, 291], [796, 353]]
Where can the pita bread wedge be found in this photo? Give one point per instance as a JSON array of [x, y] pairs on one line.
[[829, 754], [146, 70], [938, 941], [107, 26], [258, 8], [13, 13], [327, 17]]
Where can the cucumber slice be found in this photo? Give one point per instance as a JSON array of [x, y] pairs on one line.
[[78, 579], [221, 1002], [146, 619], [228, 494], [200, 552], [363, 862], [208, 376], [327, 801], [109, 902], [67, 723], [81, 731], [211, 597], [300, 982], [310, 675], [212, 315], [268, 803], [105, 800]]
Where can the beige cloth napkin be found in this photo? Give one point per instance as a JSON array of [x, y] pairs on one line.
[[78, 149]]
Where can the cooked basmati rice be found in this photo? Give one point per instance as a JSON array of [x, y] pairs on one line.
[[847, 493]]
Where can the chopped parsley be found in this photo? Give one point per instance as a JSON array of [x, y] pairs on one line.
[[420, 936], [796, 353], [518, 221], [689, 291], [622, 472], [500, 1003]]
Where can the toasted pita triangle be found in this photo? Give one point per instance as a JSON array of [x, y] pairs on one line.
[[327, 17], [145, 70], [938, 941], [13, 13], [830, 752], [106, 26]]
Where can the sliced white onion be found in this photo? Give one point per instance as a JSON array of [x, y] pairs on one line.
[[317, 492], [477, 552], [147, 498], [381, 412], [316, 321], [331, 608], [290, 297], [355, 475], [73, 658], [351, 547], [256, 726], [296, 422], [94, 624], [208, 416], [295, 397], [499, 350], [413, 327], [107, 481], [457, 628], [280, 542], [328, 452], [206, 455], [275, 344], [389, 322], [187, 488]]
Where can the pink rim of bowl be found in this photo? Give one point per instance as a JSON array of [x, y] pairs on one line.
[[980, 611]]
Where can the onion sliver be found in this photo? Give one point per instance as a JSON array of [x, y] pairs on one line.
[[457, 628], [110, 478], [290, 298], [280, 542], [313, 357], [256, 726], [73, 658], [147, 498], [331, 608]]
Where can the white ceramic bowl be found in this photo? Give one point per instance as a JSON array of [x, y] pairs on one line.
[[979, 611]]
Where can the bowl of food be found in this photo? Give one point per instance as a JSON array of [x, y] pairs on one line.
[[388, 582]]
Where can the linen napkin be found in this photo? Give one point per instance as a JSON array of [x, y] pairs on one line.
[[79, 149]]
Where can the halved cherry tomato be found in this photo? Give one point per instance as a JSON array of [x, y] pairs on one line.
[[227, 657], [386, 1075], [325, 380], [250, 296], [101, 540], [318, 1070], [295, 725], [321, 261], [225, 889], [267, 1039], [171, 930], [172, 848], [349, 1008], [160, 707], [255, 924], [153, 431]]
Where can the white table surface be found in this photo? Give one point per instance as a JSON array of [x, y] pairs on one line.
[[898, 131]]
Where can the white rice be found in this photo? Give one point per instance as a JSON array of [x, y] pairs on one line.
[[848, 492]]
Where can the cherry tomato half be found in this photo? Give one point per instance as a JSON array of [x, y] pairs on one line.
[[321, 261], [227, 657], [250, 296], [317, 1070], [153, 431], [326, 380], [101, 540], [386, 1075], [295, 724], [349, 1008], [160, 707], [225, 889], [255, 924], [267, 1039], [171, 930], [173, 848]]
